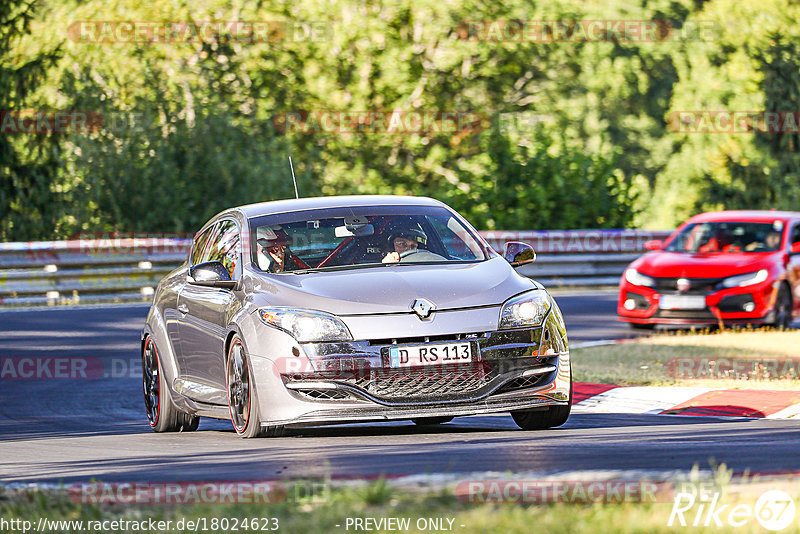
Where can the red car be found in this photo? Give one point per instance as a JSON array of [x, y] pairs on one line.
[[735, 267]]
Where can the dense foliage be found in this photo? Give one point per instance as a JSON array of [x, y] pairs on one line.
[[574, 134]]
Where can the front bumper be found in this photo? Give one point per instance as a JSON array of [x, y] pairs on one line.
[[738, 305], [525, 368]]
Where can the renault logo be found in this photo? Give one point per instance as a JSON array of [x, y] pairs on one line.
[[422, 307]]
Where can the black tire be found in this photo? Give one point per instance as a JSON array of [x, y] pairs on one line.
[[783, 309], [161, 412], [429, 421], [542, 419], [242, 399], [640, 326]]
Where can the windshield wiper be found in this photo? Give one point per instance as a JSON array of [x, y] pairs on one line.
[[336, 268]]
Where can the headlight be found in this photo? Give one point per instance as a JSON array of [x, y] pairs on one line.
[[528, 309], [748, 279], [638, 279], [306, 325]]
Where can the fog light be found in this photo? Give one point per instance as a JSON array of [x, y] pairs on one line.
[[630, 304], [749, 306]]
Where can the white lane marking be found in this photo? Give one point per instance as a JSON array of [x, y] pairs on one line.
[[76, 307], [641, 400], [790, 412]]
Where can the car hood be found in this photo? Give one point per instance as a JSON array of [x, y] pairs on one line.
[[685, 265], [393, 289]]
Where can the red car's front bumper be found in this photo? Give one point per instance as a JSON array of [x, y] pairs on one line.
[[738, 305]]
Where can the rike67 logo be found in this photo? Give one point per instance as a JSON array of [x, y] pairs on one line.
[[774, 510]]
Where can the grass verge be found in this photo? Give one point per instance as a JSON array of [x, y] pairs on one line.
[[737, 359], [429, 510]]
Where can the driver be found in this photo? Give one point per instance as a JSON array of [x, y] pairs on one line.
[[407, 242], [770, 242]]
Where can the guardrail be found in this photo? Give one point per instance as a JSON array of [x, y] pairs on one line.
[[570, 258], [129, 268]]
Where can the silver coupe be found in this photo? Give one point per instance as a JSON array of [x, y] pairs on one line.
[[350, 309]]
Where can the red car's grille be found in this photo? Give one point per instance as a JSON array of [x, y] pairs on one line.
[[696, 285]]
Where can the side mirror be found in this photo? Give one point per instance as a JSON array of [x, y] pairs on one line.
[[653, 244], [211, 274], [519, 253], [795, 249]]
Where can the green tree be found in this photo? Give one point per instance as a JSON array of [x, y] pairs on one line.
[[29, 205]]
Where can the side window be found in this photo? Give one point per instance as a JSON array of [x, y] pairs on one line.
[[225, 247], [795, 234], [200, 243]]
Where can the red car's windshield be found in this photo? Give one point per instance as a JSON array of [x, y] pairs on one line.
[[727, 237]]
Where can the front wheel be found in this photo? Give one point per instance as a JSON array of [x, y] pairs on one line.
[[783, 308], [542, 419], [162, 414], [242, 400]]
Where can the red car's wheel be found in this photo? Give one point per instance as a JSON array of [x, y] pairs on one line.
[[783, 308]]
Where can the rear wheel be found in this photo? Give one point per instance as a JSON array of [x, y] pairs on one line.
[[428, 421], [783, 308], [541, 419], [242, 399], [162, 414]]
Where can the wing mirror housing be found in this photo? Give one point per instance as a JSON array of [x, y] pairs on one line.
[[653, 244], [211, 274], [795, 249], [517, 253]]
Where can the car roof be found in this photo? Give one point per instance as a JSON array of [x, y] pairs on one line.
[[310, 203], [744, 216]]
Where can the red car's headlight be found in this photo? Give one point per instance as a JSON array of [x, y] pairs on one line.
[[743, 280], [638, 279]]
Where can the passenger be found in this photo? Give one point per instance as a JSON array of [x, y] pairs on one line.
[[773, 240], [273, 255]]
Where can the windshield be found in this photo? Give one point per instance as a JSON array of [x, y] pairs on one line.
[[350, 238], [726, 237]]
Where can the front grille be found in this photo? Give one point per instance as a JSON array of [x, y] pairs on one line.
[[422, 383], [699, 286], [324, 394], [523, 382], [364, 365]]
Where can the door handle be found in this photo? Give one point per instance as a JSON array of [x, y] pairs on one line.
[[183, 308]]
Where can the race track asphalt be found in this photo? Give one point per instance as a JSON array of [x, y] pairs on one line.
[[68, 430]]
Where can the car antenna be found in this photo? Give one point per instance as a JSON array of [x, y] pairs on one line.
[[296, 195]]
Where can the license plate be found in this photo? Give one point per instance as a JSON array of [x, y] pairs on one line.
[[682, 302], [438, 354]]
